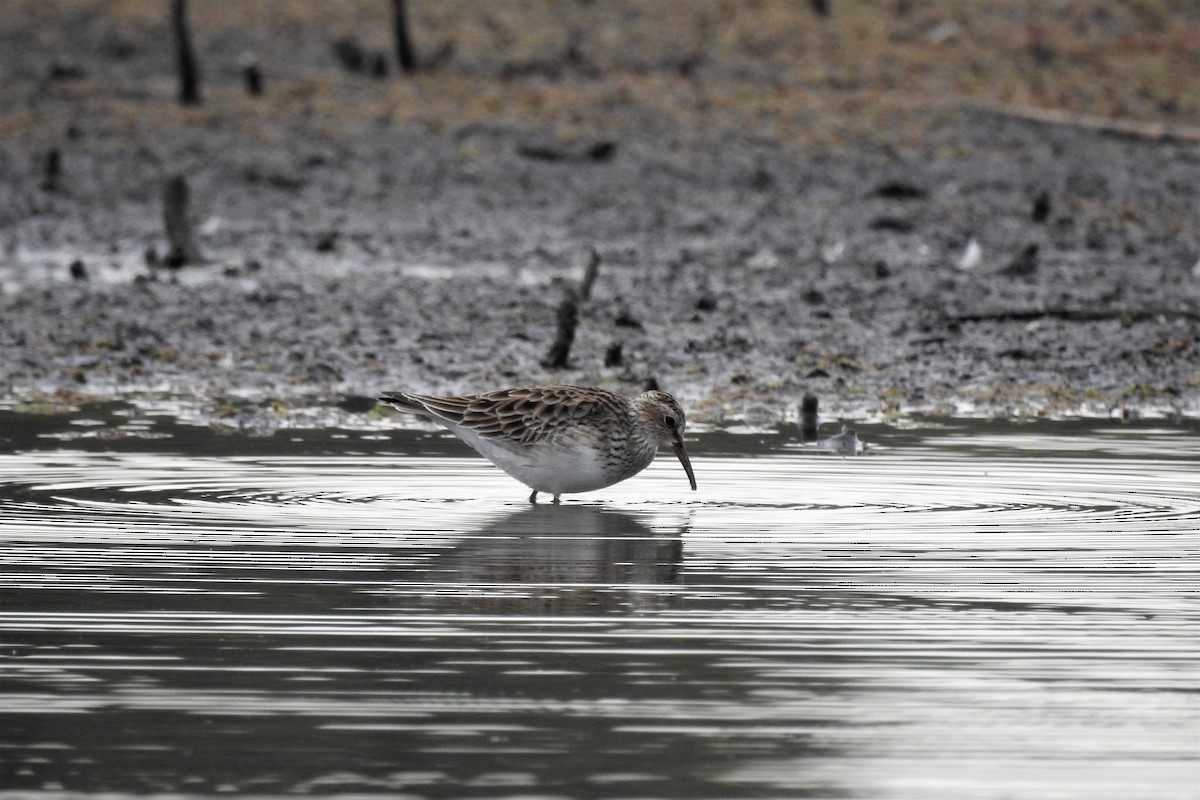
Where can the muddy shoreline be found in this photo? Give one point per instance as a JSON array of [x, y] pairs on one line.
[[986, 266]]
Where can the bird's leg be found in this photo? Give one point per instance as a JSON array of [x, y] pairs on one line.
[[556, 500], [533, 497]]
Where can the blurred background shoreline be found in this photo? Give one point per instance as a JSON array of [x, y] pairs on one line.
[[980, 208]]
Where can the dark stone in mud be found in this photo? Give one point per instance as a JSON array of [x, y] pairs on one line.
[[1025, 263], [601, 151], [357, 404], [355, 58], [900, 190], [350, 54], [277, 179], [1041, 207], [1018, 354], [65, 71], [379, 65], [541, 152], [626, 320], [326, 242], [890, 223]]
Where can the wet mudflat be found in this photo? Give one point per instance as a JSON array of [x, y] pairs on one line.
[[971, 610], [854, 205]]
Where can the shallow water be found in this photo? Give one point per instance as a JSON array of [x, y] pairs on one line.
[[972, 610]]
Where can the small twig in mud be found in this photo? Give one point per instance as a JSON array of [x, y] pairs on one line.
[[1136, 129], [589, 275], [181, 242], [559, 356], [596, 152], [185, 56], [1077, 315]]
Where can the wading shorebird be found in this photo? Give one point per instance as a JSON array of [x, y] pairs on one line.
[[560, 439]]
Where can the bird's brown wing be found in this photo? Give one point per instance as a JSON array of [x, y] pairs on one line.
[[522, 416]]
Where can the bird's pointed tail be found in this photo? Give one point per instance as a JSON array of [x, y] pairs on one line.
[[404, 402]]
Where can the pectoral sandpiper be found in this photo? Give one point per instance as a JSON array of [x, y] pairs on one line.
[[560, 439]]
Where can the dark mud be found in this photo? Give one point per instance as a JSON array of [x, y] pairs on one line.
[[989, 265]]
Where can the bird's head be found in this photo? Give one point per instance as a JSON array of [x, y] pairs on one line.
[[664, 418]]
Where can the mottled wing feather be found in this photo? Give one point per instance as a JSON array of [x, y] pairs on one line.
[[523, 416]]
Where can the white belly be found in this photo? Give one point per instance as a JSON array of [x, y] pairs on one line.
[[565, 470]]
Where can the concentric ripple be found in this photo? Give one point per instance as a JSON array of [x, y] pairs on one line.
[[958, 614]]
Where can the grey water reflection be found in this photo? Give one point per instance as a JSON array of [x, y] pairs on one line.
[[562, 559], [972, 611]]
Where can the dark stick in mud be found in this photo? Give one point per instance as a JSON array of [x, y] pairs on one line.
[[181, 242], [252, 74], [589, 275], [52, 169], [809, 419], [405, 54], [185, 56], [559, 356]]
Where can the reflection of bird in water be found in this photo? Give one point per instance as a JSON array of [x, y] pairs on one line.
[[560, 439], [845, 443], [563, 559]]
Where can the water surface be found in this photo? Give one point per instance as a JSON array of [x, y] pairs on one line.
[[972, 610]]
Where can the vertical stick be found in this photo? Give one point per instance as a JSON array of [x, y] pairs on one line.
[[183, 249], [254, 79], [589, 275], [53, 169], [405, 54], [559, 356], [808, 418], [189, 72]]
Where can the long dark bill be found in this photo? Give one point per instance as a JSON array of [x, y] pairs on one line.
[[677, 446]]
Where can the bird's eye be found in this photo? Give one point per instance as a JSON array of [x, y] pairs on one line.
[[670, 421]]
